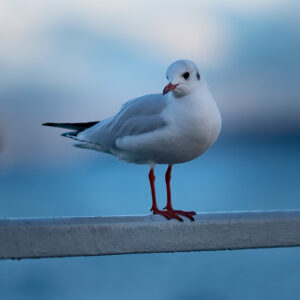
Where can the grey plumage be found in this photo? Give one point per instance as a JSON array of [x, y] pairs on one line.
[[137, 116]]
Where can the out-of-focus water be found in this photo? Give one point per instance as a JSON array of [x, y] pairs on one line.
[[241, 173]]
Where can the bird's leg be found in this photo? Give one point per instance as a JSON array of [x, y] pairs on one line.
[[169, 207], [168, 184], [154, 207], [152, 184]]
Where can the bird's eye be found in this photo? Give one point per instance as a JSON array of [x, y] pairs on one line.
[[198, 76], [186, 75], [167, 77]]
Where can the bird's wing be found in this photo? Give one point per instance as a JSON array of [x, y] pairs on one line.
[[137, 116]]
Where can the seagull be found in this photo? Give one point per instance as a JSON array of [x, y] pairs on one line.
[[170, 128]]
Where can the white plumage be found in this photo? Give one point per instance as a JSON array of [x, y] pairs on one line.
[[163, 129]]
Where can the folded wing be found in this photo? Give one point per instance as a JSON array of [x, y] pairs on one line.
[[138, 116]]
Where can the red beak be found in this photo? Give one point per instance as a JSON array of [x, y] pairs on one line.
[[169, 88]]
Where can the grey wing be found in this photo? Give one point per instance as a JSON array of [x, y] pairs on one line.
[[137, 116]]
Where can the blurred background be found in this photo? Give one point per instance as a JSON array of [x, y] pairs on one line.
[[72, 61]]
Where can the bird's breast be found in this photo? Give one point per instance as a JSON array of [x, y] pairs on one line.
[[195, 127]]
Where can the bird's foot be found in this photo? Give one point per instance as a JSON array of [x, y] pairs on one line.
[[187, 214], [174, 214], [167, 214]]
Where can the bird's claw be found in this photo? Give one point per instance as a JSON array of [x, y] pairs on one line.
[[167, 214], [174, 214], [187, 214]]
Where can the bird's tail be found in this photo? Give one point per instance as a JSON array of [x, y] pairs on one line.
[[73, 126]]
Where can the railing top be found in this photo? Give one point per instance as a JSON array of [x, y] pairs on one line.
[[82, 236]]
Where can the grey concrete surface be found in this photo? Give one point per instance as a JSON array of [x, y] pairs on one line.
[[82, 236]]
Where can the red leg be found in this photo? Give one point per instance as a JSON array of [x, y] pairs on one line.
[[168, 184], [154, 208], [152, 184], [169, 207]]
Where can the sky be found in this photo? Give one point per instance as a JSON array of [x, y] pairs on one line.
[[79, 61]]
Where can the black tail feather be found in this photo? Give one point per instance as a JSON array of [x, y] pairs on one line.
[[73, 126]]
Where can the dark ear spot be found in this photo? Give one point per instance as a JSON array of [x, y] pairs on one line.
[[198, 76], [186, 75]]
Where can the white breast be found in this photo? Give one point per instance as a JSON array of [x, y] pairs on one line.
[[195, 123]]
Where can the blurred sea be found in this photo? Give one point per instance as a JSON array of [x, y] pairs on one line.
[[251, 172]]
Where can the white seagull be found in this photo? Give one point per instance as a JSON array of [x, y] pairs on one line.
[[169, 128]]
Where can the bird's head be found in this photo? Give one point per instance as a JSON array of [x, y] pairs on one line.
[[184, 78]]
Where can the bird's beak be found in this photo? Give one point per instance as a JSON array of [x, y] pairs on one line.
[[169, 88]]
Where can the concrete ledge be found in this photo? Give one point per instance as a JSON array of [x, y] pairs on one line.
[[82, 236]]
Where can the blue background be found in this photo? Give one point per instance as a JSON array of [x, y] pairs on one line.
[[71, 61]]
